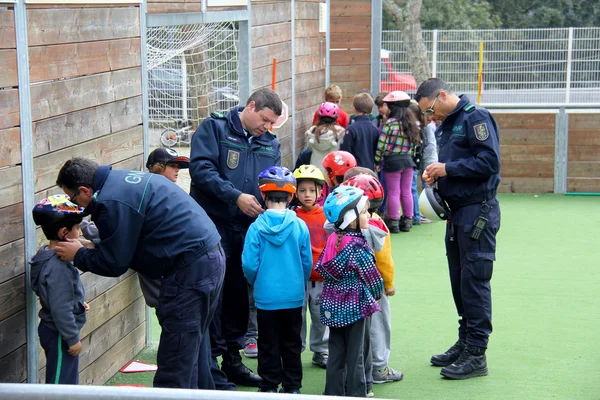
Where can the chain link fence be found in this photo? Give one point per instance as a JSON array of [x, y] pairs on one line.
[[520, 66]]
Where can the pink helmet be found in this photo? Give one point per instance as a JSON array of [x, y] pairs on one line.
[[330, 110], [396, 96]]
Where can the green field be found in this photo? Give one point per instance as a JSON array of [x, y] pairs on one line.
[[546, 309]]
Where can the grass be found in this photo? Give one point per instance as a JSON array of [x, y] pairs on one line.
[[546, 312]]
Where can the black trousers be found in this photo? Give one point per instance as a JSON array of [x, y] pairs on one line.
[[280, 348], [228, 331], [470, 263], [61, 368], [345, 374]]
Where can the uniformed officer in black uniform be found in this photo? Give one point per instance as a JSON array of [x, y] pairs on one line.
[[467, 176], [228, 153]]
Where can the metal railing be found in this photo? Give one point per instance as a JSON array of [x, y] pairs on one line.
[[521, 66]]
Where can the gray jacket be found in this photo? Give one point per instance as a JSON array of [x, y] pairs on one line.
[[61, 294]]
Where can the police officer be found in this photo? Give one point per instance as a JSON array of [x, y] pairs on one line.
[[467, 176], [228, 153], [146, 223]]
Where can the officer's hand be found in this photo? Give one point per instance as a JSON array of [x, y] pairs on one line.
[[249, 205], [429, 180], [66, 250], [434, 171]]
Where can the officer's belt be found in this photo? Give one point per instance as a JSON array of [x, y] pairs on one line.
[[477, 199], [189, 256]]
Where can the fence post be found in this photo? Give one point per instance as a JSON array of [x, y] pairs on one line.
[[245, 63], [376, 22], [292, 110], [434, 54], [561, 151], [569, 67], [328, 43]]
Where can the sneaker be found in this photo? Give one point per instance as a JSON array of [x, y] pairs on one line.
[[386, 375], [471, 363], [237, 372], [320, 360], [425, 220], [268, 390], [289, 391], [405, 224], [251, 350], [416, 221], [370, 393], [450, 356]]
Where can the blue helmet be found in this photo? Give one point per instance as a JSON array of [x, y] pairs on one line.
[[342, 200], [277, 179]]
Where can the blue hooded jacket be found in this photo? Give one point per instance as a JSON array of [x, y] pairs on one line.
[[277, 260]]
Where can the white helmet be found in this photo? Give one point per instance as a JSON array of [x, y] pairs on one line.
[[432, 206]]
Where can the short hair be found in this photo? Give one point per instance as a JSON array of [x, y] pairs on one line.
[[363, 103], [352, 172], [333, 92], [76, 172], [431, 88], [380, 97], [158, 168], [277, 196], [51, 229], [266, 98]]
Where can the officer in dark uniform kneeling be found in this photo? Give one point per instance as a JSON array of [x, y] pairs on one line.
[[467, 176]]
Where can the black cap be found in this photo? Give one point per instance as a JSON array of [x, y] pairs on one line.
[[167, 156]]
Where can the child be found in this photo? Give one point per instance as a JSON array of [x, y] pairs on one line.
[[335, 165], [310, 181], [361, 136], [333, 94], [350, 292], [60, 290], [372, 117], [277, 261], [325, 136], [396, 147], [381, 119], [165, 161], [378, 237]]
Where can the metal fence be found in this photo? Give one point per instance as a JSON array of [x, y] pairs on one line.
[[520, 66]]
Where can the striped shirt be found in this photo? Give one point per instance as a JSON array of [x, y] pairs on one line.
[[393, 140]]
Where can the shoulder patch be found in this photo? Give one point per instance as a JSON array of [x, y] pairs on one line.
[[481, 131], [470, 108], [218, 115]]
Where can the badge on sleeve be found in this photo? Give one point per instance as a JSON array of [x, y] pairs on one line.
[[233, 159], [481, 132]]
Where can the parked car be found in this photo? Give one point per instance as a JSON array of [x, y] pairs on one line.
[[392, 80]]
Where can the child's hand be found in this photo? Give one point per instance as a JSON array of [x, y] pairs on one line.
[[87, 243], [75, 349], [377, 168], [390, 291], [86, 306]]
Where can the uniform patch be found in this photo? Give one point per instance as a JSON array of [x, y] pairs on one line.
[[481, 132], [233, 159]]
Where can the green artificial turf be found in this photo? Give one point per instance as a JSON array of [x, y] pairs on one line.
[[546, 311]]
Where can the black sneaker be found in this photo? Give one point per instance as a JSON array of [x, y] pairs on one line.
[[289, 391], [405, 224], [470, 364], [451, 355], [320, 360], [392, 224], [268, 390], [237, 372]]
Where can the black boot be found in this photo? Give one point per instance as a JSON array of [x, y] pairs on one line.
[[451, 355], [237, 372], [405, 224], [392, 224], [470, 364]]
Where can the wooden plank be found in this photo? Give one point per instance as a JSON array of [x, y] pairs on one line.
[[527, 136], [96, 285], [584, 121], [12, 260], [264, 14], [135, 163], [69, 60], [114, 358], [306, 64], [12, 296], [60, 97], [11, 188], [65, 130], [160, 8], [261, 77], [310, 46], [586, 137], [525, 121], [105, 150], [309, 99], [350, 9], [527, 169], [583, 169], [351, 73], [284, 90], [532, 153], [356, 40], [262, 56], [8, 66], [7, 29], [13, 367], [311, 80], [526, 185], [349, 89], [350, 57], [304, 117], [59, 26], [12, 333], [583, 185], [307, 28], [270, 34], [11, 223], [350, 24], [10, 146], [306, 10], [584, 153], [9, 108]]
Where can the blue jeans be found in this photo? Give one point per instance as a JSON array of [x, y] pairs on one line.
[[415, 193]]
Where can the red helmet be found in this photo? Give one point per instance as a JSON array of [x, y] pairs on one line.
[[328, 109], [337, 163], [370, 185]]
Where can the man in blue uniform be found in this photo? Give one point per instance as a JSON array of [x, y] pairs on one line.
[[467, 176], [146, 223], [228, 153]]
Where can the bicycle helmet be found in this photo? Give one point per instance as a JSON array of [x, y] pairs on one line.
[[328, 109], [277, 179], [397, 96], [309, 172], [55, 212], [432, 206], [370, 185], [344, 205], [337, 163]]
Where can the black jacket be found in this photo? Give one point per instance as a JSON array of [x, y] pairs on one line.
[[361, 141]]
